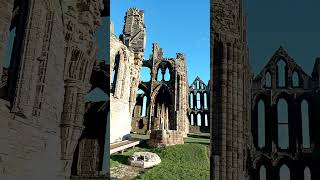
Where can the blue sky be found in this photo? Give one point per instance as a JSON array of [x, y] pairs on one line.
[[178, 26], [292, 24]]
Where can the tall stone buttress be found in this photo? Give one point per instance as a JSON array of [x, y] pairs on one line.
[[230, 97]]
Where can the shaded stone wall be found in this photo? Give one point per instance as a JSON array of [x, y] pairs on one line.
[[126, 55], [266, 88], [199, 87], [230, 75], [42, 107], [167, 101]]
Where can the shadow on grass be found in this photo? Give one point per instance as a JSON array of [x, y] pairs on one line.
[[203, 143], [198, 136], [123, 159]]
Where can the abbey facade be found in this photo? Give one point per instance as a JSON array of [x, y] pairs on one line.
[[262, 127], [157, 106], [46, 125]]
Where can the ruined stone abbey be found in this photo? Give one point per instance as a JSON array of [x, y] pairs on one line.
[[263, 127], [48, 131], [157, 107]]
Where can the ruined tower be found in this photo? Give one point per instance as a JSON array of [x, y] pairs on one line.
[[126, 56], [230, 99]]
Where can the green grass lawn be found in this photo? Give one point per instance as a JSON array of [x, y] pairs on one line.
[[185, 161]]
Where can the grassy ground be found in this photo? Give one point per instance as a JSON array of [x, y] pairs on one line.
[[186, 161]]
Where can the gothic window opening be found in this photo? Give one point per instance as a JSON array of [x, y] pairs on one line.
[[159, 75], [198, 85], [307, 173], [167, 75], [199, 119], [115, 72], [7, 59], [262, 173], [283, 125], [145, 74], [268, 80], [9, 47], [206, 123], [191, 100], [198, 101], [261, 124], [202, 87], [144, 106], [281, 73], [284, 173], [205, 99], [295, 79], [192, 120], [305, 124]]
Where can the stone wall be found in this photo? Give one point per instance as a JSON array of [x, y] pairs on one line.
[[43, 106]]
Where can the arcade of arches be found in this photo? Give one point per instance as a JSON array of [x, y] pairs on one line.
[[263, 127], [147, 96]]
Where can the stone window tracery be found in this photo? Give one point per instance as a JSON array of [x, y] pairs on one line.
[[283, 124], [261, 124], [268, 80], [295, 79], [307, 173], [305, 124], [262, 173], [198, 101], [281, 73], [199, 119], [284, 173]]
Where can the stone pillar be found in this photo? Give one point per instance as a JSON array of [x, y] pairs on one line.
[[6, 8], [240, 115], [235, 113], [229, 113]]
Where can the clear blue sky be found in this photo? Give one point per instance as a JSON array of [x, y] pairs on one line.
[[292, 24], [177, 25]]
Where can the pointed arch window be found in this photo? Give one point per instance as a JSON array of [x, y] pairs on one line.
[[262, 173], [283, 124], [167, 75], [268, 80], [192, 120], [144, 106], [199, 119], [159, 75], [198, 101], [115, 71], [198, 85], [205, 101], [206, 122], [145, 74], [307, 173], [284, 172], [295, 79], [281, 73], [305, 124], [261, 124], [191, 100]]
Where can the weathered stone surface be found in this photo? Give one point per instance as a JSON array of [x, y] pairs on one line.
[[160, 138], [166, 100], [199, 117], [42, 91], [144, 159]]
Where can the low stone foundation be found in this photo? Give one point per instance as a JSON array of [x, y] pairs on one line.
[[160, 138]]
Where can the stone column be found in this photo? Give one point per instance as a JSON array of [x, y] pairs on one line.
[[229, 113], [240, 115], [235, 113]]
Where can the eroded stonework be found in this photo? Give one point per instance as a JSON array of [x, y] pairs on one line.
[[42, 90], [263, 127], [163, 103]]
